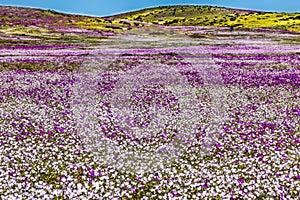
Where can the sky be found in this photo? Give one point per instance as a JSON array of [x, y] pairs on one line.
[[110, 7]]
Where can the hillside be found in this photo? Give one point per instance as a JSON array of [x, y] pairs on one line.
[[213, 16], [39, 26]]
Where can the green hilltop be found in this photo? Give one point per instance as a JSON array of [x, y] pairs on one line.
[[213, 16]]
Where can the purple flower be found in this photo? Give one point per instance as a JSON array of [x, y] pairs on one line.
[[260, 155], [134, 191], [241, 180], [99, 173], [174, 194], [218, 145]]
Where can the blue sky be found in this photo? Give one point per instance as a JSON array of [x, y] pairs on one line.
[[110, 7]]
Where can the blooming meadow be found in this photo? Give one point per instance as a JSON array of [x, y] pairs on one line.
[[170, 113]]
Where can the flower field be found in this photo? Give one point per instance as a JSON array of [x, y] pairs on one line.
[[156, 113]]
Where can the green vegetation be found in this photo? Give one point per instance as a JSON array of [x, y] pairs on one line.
[[38, 66], [213, 16]]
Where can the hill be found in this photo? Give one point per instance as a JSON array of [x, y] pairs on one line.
[[37, 26], [213, 16], [54, 27]]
